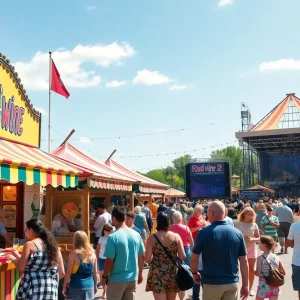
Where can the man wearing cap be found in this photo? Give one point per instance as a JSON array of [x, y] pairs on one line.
[[286, 218]]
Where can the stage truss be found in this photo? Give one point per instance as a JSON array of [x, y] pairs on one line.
[[249, 170]]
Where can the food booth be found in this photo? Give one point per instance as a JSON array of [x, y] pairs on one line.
[[101, 185], [24, 168]]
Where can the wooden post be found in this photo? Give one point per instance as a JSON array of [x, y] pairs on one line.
[[131, 201], [163, 198], [107, 199], [86, 211], [48, 211]]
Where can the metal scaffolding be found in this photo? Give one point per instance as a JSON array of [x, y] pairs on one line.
[[249, 168]]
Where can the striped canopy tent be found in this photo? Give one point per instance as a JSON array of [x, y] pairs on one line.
[[173, 193], [285, 115], [31, 165], [143, 183], [101, 177], [260, 187]]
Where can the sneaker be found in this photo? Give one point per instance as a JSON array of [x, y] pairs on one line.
[[251, 293]]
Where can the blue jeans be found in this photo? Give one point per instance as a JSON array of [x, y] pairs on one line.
[[187, 251], [196, 290]]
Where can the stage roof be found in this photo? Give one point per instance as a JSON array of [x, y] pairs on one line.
[[285, 115], [282, 120]]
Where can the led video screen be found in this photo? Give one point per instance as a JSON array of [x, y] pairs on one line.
[[208, 180], [279, 168]]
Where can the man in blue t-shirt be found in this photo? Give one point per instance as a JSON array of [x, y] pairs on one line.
[[124, 263], [221, 246]]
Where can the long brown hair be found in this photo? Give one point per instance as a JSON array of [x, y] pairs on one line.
[[46, 236]]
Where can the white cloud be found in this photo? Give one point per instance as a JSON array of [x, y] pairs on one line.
[[176, 87], [225, 2], [147, 77], [35, 73], [89, 7], [115, 83], [281, 64], [41, 110], [85, 140]]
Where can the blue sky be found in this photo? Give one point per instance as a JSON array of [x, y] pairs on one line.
[[197, 61]]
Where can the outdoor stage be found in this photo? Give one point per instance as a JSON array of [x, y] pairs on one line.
[[275, 143]]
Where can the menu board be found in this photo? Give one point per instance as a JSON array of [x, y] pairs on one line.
[[10, 216]]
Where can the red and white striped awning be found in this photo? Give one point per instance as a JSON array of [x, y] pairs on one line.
[[102, 176]]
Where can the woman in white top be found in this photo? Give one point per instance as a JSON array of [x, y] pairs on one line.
[[246, 224], [106, 231]]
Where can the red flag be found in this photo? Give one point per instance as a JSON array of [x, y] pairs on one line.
[[56, 83]]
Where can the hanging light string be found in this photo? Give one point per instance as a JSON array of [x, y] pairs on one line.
[[151, 133], [171, 153]]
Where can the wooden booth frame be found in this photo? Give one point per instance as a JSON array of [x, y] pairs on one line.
[[52, 195]]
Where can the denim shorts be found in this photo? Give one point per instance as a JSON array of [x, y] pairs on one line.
[[101, 263], [86, 294], [187, 251], [143, 233]]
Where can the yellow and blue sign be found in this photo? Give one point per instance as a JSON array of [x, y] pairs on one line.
[[19, 121]]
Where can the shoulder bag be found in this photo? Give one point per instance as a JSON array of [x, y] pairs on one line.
[[276, 276], [184, 275]]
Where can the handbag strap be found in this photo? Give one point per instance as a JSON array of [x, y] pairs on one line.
[[166, 250], [267, 261]]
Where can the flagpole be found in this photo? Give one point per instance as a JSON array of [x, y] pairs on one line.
[[49, 108]]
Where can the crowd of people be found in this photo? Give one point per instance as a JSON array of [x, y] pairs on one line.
[[217, 239]]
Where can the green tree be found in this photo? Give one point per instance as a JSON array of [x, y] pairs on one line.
[[232, 154], [158, 175], [167, 176], [179, 164], [175, 181]]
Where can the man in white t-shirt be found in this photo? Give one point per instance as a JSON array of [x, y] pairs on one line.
[[293, 241], [102, 219]]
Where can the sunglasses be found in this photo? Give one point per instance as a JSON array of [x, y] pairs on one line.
[[107, 229]]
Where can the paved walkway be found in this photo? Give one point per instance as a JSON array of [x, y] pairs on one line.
[[286, 293]]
